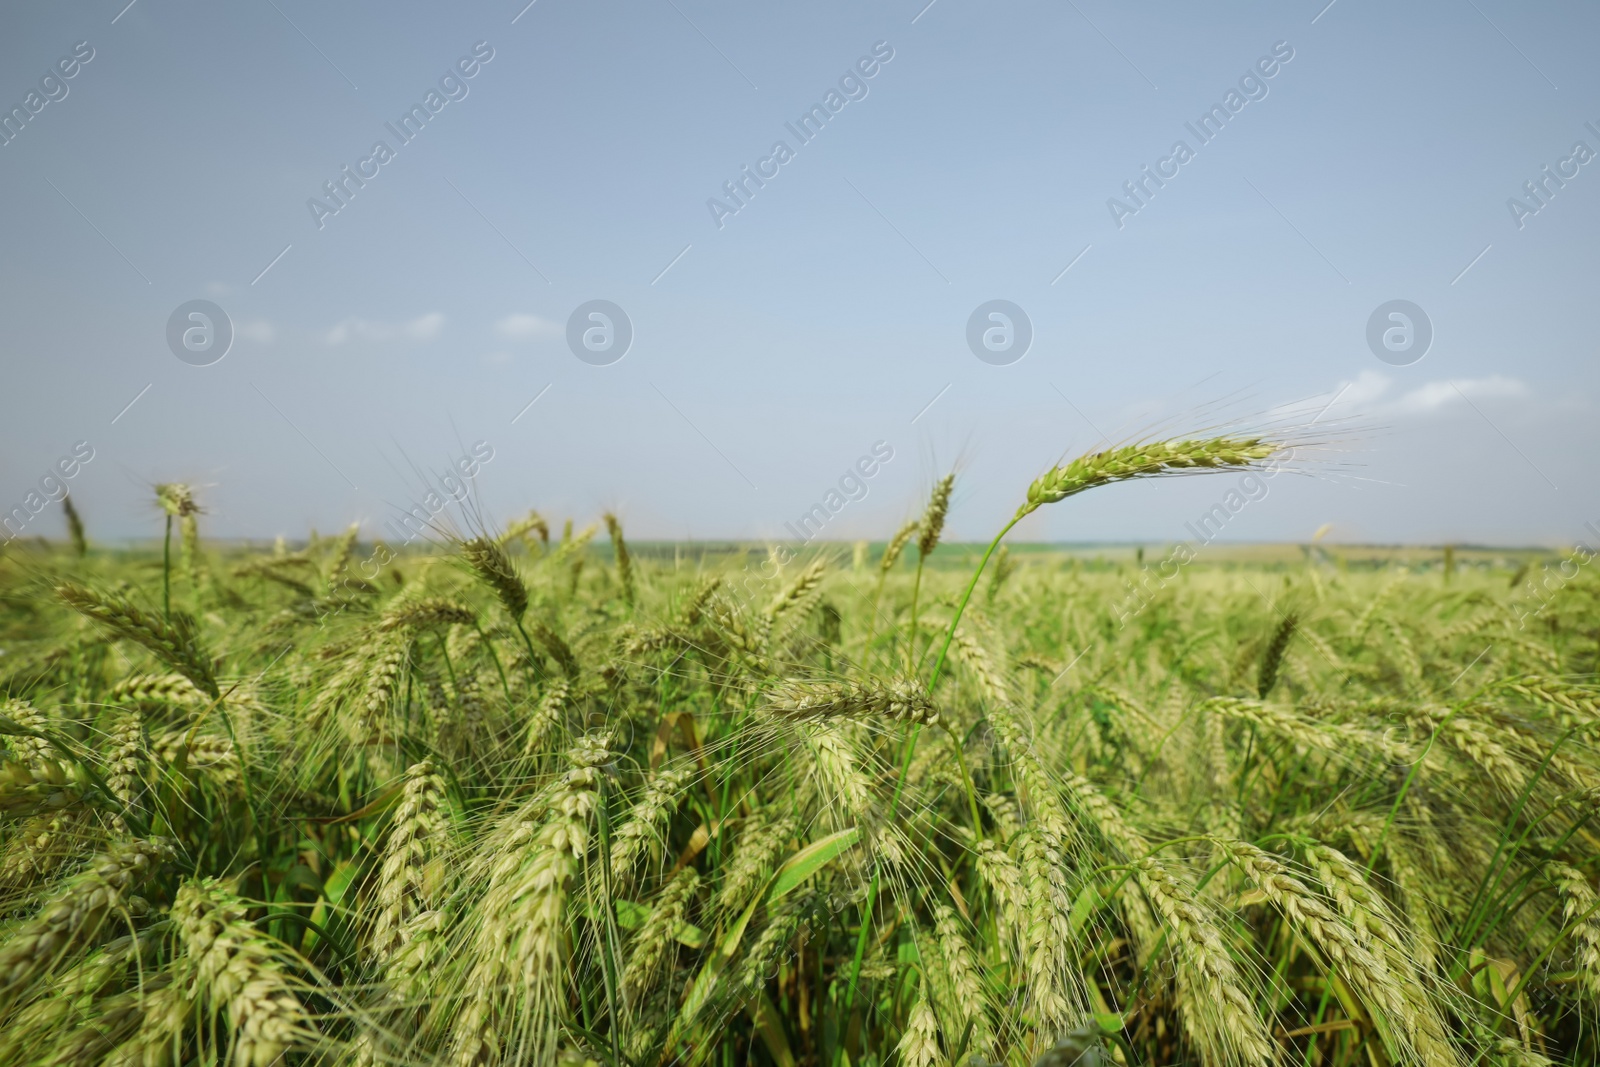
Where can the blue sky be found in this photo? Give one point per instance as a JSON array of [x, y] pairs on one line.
[[771, 351]]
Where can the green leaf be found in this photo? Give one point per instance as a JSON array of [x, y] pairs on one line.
[[705, 982], [340, 880], [800, 866], [809, 860], [769, 1024], [1087, 903], [631, 916], [298, 877]]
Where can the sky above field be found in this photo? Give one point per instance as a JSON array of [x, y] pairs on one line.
[[778, 321]]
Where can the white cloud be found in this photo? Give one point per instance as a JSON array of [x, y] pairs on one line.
[[1435, 395], [426, 328], [1367, 389], [423, 328], [524, 327], [1343, 400], [1371, 393]]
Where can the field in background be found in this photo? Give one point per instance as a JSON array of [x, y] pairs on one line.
[[522, 799]]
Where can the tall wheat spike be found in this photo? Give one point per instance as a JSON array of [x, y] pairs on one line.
[[931, 525], [80, 543], [619, 548], [1146, 460]]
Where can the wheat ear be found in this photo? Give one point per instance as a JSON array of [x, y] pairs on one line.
[[897, 545], [344, 548], [1272, 658], [233, 968], [656, 937], [532, 523], [619, 548], [520, 942], [797, 591], [425, 613], [414, 838], [646, 819], [493, 567], [80, 544], [1218, 1015], [969, 1004], [1145, 460], [1308, 913], [919, 1044], [900, 701], [77, 912], [174, 642], [1578, 908], [931, 526]]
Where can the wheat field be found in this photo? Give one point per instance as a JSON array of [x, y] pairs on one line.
[[523, 798]]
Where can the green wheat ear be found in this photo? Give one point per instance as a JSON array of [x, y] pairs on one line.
[[1149, 459], [173, 641], [1145, 461], [176, 498], [494, 568], [1272, 658], [932, 525], [80, 544], [897, 545], [624, 561]]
